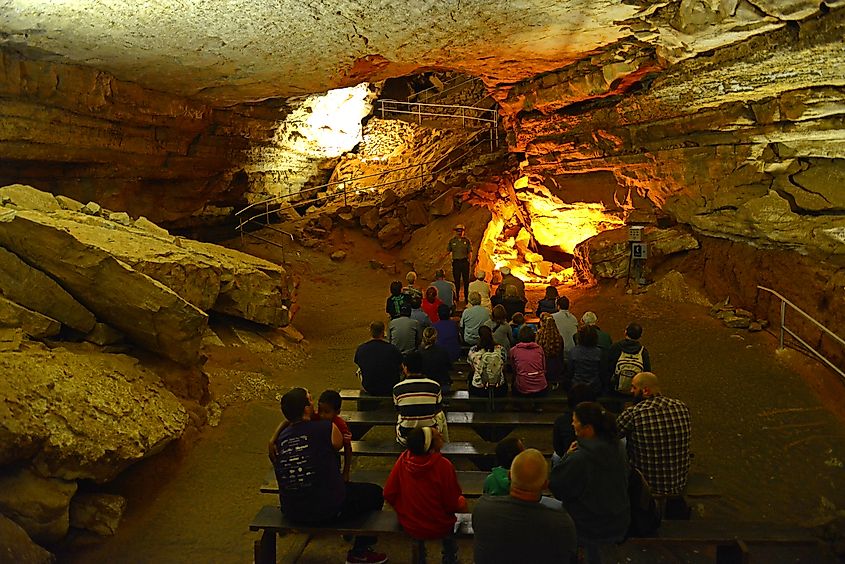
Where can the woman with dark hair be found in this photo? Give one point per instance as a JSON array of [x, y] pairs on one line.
[[585, 359], [488, 366], [431, 304], [396, 300], [592, 480], [529, 366], [436, 363], [448, 333], [424, 491], [548, 337], [549, 302], [501, 328]]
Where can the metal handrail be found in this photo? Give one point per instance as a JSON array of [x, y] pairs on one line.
[[784, 329], [284, 199], [419, 95], [453, 111]]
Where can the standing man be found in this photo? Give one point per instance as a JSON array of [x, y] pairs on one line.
[[311, 488], [519, 527], [567, 324], [461, 249], [658, 431]]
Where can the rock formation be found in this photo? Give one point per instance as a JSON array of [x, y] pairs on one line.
[[153, 287]]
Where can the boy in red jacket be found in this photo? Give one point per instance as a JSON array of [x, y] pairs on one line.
[[424, 491]]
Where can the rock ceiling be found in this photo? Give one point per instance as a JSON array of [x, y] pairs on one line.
[[240, 50]]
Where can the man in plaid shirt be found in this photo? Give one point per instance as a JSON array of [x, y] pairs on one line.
[[658, 431]]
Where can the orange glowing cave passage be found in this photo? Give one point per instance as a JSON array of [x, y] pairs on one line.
[[536, 236]]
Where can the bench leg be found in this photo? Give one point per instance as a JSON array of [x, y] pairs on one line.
[[733, 553], [264, 550]]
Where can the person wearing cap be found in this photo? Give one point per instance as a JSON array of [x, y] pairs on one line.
[[509, 279], [605, 342], [461, 249], [483, 289], [445, 289]]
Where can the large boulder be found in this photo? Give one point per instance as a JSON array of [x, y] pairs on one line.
[[151, 314], [608, 254], [36, 291], [39, 505], [83, 416], [250, 287], [17, 547], [33, 323]]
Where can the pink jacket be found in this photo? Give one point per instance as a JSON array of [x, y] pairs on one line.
[[529, 368]]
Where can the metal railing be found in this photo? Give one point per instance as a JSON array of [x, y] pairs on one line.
[[263, 209], [786, 330], [434, 91], [472, 114]]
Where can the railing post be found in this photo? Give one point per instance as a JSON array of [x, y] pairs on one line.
[[419, 114], [782, 321], [382, 109]]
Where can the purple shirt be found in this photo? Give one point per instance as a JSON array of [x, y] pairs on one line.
[[529, 368], [311, 489]]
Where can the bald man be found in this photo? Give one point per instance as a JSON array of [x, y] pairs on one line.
[[658, 431], [518, 527]]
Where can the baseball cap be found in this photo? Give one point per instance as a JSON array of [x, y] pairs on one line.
[[460, 227]]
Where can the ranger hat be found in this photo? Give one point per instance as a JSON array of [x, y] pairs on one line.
[[460, 227]]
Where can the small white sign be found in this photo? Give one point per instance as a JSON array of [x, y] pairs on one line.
[[635, 232], [639, 251]]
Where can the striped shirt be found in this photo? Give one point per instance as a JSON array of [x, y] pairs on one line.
[[658, 431], [417, 400]]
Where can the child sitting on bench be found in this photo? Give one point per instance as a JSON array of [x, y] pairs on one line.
[[424, 491], [328, 408], [498, 482]]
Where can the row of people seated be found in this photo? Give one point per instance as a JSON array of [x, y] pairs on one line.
[[590, 480]]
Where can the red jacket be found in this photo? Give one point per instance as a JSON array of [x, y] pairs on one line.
[[425, 494], [431, 309]]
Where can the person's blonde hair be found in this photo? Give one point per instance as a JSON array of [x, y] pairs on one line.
[[475, 298], [511, 291], [429, 337], [411, 277]]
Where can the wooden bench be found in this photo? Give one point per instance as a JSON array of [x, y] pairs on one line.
[[271, 522], [734, 543], [472, 481], [556, 400], [489, 426]]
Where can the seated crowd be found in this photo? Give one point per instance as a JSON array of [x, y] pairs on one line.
[[411, 359]]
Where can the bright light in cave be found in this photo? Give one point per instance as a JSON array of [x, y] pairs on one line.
[[328, 125], [557, 228]]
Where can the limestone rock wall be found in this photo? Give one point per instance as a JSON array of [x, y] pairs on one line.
[[80, 132], [745, 143]]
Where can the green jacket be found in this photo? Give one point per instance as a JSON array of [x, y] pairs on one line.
[[497, 482]]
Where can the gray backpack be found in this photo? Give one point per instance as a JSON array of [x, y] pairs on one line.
[[628, 366], [492, 366]]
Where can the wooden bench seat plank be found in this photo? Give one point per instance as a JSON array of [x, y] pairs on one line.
[[471, 481], [270, 518], [391, 447], [471, 418], [458, 396]]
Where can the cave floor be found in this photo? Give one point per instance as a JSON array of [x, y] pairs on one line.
[[766, 444]]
